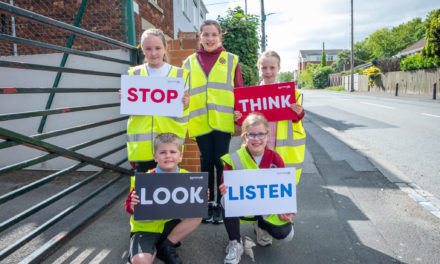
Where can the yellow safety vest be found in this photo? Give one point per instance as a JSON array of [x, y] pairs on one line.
[[291, 142], [141, 130], [155, 226], [242, 160], [211, 104]]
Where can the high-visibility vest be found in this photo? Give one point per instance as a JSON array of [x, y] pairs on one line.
[[141, 130], [291, 142], [211, 105], [155, 226], [242, 160]]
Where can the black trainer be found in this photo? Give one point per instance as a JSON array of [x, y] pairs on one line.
[[210, 213], [217, 216], [167, 253]]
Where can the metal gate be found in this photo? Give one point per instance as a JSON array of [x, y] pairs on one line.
[[42, 200]]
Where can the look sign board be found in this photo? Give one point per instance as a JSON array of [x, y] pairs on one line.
[[260, 192], [159, 96], [171, 195], [272, 100]]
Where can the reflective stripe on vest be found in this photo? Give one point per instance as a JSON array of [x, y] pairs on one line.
[[211, 98], [290, 142], [155, 226], [242, 160], [141, 130]]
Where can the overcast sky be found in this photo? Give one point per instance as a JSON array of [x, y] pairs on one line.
[[305, 24]]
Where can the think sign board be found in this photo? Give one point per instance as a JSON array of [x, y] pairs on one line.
[[260, 192], [159, 96], [171, 195], [272, 100]]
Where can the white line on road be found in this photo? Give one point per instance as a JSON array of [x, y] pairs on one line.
[[429, 115], [384, 106]]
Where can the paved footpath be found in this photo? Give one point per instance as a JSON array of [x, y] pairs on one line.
[[348, 212]]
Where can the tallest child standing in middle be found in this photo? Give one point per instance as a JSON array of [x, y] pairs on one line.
[[213, 75]]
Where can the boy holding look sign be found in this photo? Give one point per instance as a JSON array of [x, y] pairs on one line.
[[159, 237]]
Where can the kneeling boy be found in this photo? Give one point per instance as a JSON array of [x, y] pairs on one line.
[[159, 236]]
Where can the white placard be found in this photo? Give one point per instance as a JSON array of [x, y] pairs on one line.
[[260, 192], [158, 96]]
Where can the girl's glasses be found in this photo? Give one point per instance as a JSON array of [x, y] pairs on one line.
[[260, 135]]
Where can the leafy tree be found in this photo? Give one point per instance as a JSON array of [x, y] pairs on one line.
[[320, 76], [323, 57], [305, 79], [384, 43], [341, 59], [362, 53], [432, 25], [241, 38], [285, 77]]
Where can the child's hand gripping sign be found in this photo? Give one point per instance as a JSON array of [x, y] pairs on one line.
[[272, 100], [158, 96]]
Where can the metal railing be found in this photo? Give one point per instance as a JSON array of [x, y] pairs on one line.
[[12, 138]]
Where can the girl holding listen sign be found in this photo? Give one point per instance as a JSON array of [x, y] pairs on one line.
[[254, 155], [141, 130]]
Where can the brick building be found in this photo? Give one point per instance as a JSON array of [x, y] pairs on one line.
[[314, 56], [104, 17]]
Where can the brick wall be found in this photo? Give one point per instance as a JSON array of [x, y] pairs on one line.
[[104, 17], [178, 50]]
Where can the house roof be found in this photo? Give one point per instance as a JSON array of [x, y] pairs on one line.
[[305, 53], [416, 47]]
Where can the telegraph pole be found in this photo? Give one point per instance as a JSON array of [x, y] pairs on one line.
[[245, 7], [352, 52], [263, 31]]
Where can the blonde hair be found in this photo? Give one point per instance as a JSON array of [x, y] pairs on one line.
[[158, 33], [254, 119], [167, 138], [267, 54], [210, 22]]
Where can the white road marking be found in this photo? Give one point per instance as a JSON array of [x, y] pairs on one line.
[[429, 115], [384, 106]]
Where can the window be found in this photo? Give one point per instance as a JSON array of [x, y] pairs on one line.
[[330, 58], [185, 6], [195, 14]]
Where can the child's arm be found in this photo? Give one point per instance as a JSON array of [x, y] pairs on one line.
[[222, 187], [132, 200]]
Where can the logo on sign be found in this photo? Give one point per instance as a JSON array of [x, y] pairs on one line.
[[179, 195]]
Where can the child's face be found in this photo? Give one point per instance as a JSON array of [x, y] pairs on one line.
[[154, 51], [269, 70], [210, 38], [167, 156], [256, 139]]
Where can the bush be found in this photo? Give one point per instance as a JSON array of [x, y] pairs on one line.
[[250, 75], [388, 65], [320, 76], [418, 61], [373, 74]]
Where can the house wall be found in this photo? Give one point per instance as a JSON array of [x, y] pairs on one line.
[[103, 17], [187, 16], [178, 50]]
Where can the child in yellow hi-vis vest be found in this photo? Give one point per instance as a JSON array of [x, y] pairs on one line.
[[159, 237], [254, 155], [142, 129]]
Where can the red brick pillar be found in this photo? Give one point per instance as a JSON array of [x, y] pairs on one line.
[[178, 51]]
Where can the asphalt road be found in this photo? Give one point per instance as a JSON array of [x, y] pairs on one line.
[[349, 211]]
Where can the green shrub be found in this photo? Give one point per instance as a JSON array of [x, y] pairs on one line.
[[320, 76], [418, 61]]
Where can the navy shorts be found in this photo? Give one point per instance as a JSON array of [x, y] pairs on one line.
[[146, 242]]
